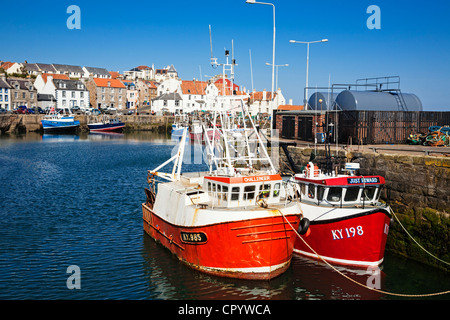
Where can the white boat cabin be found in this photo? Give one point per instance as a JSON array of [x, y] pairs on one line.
[[317, 188], [234, 192]]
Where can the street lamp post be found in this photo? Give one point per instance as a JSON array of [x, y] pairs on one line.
[[273, 53], [276, 73], [307, 64]]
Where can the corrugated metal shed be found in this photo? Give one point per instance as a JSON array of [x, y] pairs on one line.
[[378, 101]]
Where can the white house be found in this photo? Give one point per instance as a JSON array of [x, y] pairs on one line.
[[262, 102], [70, 71], [5, 94], [96, 73], [67, 93]]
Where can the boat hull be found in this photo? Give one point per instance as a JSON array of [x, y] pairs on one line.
[[106, 127], [60, 126], [357, 240], [259, 248]]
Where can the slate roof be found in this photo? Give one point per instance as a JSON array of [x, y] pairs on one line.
[[98, 71], [67, 68], [31, 67], [4, 84], [169, 96], [48, 68], [70, 84], [23, 83]]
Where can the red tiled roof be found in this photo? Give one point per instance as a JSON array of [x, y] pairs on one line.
[[193, 87], [55, 76], [6, 65], [288, 107], [258, 95], [114, 74], [113, 83]]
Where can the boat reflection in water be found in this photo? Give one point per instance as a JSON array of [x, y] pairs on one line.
[[60, 137], [304, 280]]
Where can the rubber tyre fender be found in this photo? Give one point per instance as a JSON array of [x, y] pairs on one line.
[[303, 226]]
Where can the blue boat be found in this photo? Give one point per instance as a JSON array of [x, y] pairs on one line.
[[106, 125], [59, 123]]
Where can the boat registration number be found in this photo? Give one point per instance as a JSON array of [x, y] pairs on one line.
[[193, 237], [347, 233]]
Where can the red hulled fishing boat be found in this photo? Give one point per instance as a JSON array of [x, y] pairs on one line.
[[232, 221], [348, 225]]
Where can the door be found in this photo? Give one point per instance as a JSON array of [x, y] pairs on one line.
[[305, 128], [288, 129]]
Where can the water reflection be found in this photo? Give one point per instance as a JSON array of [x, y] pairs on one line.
[[304, 280]]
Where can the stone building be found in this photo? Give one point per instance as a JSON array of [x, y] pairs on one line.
[[22, 93], [106, 93]]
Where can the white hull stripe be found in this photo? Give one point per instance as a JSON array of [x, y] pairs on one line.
[[245, 270], [341, 261]]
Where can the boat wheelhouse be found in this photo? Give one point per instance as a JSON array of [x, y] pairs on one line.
[[348, 225]]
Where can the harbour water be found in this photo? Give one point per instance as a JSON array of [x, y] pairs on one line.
[[76, 201]]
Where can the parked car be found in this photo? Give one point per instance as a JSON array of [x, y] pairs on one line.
[[21, 110], [36, 110], [110, 110]]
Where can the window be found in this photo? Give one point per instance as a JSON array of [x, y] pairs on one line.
[[23, 95], [64, 94], [320, 192], [31, 95], [103, 97], [16, 95], [311, 191], [235, 193], [82, 94], [334, 194], [1, 98], [303, 189], [73, 94], [369, 193], [225, 193], [351, 194], [276, 189], [264, 191], [249, 192], [209, 186], [219, 191]]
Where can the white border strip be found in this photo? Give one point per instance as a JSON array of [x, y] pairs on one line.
[[341, 261]]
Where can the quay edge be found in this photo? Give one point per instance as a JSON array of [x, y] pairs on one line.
[[20, 123]]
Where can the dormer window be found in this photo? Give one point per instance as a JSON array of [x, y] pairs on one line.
[[109, 83]]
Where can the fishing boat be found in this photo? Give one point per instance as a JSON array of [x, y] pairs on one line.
[[180, 123], [231, 221], [345, 223], [55, 121], [106, 125]]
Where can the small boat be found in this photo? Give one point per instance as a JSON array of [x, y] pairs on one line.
[[347, 223], [56, 122], [107, 125], [231, 221]]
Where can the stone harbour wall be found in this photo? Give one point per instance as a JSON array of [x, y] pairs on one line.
[[418, 190], [19, 123]]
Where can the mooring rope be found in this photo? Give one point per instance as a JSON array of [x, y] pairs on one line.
[[393, 213], [356, 282]]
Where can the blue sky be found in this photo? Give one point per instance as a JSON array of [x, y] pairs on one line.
[[413, 42]]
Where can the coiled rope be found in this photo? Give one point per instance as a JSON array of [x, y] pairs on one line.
[[356, 282]]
